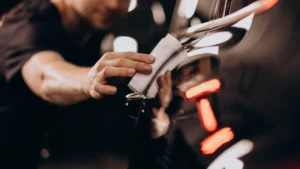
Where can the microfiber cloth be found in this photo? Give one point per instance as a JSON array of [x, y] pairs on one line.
[[162, 53]]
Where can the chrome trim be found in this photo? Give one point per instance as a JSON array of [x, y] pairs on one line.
[[256, 8]]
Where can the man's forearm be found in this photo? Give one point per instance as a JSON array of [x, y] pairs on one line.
[[62, 83], [52, 78]]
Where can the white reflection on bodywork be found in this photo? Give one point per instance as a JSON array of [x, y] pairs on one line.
[[229, 159], [256, 7], [214, 39], [245, 23], [211, 50], [132, 5]]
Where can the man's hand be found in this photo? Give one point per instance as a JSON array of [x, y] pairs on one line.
[[161, 121], [112, 68], [57, 81]]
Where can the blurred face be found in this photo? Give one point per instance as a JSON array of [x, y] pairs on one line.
[[100, 14]]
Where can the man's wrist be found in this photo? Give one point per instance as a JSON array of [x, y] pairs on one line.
[[85, 82]]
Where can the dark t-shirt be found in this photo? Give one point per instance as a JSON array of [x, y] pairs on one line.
[[27, 123]]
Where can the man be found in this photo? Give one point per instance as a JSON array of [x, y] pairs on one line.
[[49, 65]]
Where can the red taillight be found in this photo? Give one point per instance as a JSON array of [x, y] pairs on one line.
[[215, 141], [203, 89], [206, 115]]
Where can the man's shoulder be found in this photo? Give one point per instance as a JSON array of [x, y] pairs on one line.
[[32, 23], [33, 14], [33, 10]]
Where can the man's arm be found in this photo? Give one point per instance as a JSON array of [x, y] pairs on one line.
[[53, 79], [50, 77]]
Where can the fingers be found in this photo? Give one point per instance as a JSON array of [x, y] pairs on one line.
[[165, 98], [105, 89], [127, 63], [168, 78], [159, 123], [155, 112], [159, 128], [95, 94], [99, 90], [160, 120], [139, 57], [158, 113], [139, 62], [165, 89], [115, 65], [131, 56], [110, 71], [99, 86], [165, 80], [162, 82]]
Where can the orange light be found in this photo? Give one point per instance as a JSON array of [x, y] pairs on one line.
[[269, 4], [203, 88], [206, 115], [215, 141]]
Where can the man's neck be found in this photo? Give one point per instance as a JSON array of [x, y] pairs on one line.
[[78, 30]]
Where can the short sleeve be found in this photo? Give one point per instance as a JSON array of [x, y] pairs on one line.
[[21, 39]]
